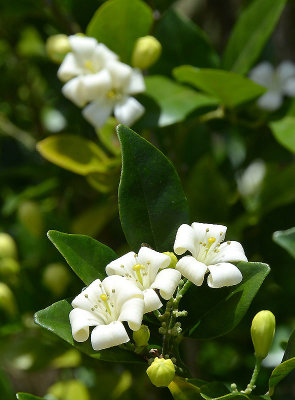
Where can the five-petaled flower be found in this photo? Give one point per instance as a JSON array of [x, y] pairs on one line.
[[105, 305], [280, 82], [98, 80], [148, 270], [204, 242]]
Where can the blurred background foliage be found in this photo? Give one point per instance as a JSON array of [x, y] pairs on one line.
[[233, 170]]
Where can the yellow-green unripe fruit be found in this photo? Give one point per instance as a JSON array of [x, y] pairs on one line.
[[30, 215], [7, 246], [9, 267], [161, 372], [262, 332], [57, 46], [146, 52], [7, 300], [56, 278], [173, 257], [142, 336]]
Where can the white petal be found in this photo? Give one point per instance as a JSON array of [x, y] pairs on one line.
[[82, 45], [136, 83], [122, 265], [286, 70], [192, 269], [102, 55], [152, 301], [69, 68], [263, 74], [105, 336], [120, 73], [205, 231], [270, 101], [224, 274], [80, 321], [153, 260], [73, 90], [132, 312], [229, 251], [96, 85], [128, 110], [289, 87], [167, 281], [185, 239], [97, 112], [89, 296]]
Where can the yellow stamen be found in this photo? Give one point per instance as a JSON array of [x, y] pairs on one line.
[[211, 240], [89, 65], [104, 298], [137, 268], [111, 94]]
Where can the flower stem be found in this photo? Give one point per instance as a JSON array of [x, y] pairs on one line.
[[251, 384]]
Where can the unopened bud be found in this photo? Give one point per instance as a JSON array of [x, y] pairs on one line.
[[9, 267], [30, 215], [146, 52], [161, 372], [7, 246], [262, 332], [56, 278], [142, 336], [7, 300], [173, 257], [57, 46]]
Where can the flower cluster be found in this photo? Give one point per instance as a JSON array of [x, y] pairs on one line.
[[97, 81], [130, 290], [280, 82]]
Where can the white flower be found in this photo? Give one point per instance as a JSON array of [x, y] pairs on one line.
[[279, 82], [115, 96], [250, 181], [105, 305], [204, 242], [149, 271]]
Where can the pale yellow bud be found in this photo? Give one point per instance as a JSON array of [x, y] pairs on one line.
[[7, 299], [173, 257], [161, 372], [30, 215], [146, 52], [7, 246], [142, 336], [56, 278], [57, 46], [262, 332]]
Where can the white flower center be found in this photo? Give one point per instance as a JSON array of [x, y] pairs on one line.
[[139, 273], [114, 94], [103, 306]]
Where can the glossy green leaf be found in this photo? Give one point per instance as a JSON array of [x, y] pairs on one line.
[[74, 153], [55, 318], [27, 396], [290, 349], [224, 312], [183, 42], [184, 390], [118, 23], [250, 34], [151, 200], [286, 239], [280, 372], [175, 101], [86, 256], [284, 132], [230, 88]]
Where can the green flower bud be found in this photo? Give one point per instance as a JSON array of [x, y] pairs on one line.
[[146, 52], [142, 336], [262, 332], [30, 215], [7, 300], [56, 278], [57, 46], [173, 257], [9, 267], [161, 372], [7, 246]]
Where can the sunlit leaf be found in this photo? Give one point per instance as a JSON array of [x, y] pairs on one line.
[[286, 239], [27, 396], [184, 390], [280, 372], [284, 132]]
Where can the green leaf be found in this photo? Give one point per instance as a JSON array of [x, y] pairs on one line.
[[184, 390], [290, 349], [223, 312], [230, 88], [118, 23], [55, 318], [286, 239], [151, 200], [250, 34], [87, 257], [73, 153], [279, 373], [183, 42], [27, 396], [175, 101], [284, 132]]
